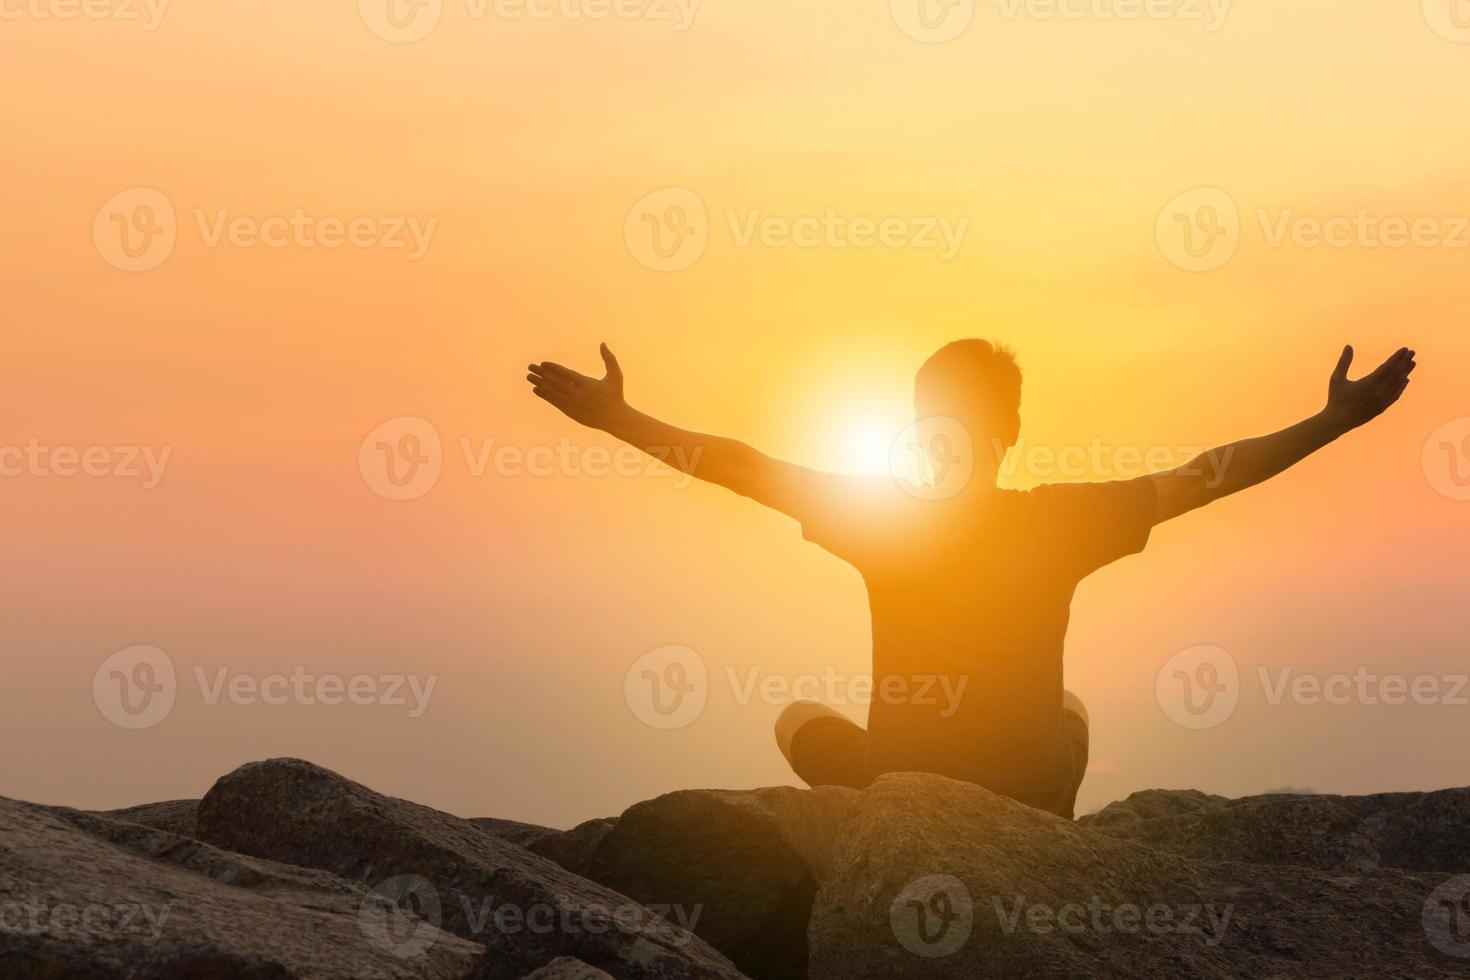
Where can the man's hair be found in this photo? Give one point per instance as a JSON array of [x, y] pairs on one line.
[[976, 382]]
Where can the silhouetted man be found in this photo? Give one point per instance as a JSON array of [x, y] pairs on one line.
[[970, 589]]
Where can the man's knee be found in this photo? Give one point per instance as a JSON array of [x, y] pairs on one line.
[[1072, 704], [796, 716], [1074, 718]]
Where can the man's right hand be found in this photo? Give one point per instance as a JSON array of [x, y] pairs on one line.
[[594, 402], [1352, 403]]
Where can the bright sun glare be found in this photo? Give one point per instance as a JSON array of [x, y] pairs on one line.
[[868, 450]]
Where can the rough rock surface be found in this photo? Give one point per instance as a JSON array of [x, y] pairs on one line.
[[566, 968], [936, 878], [526, 910], [1412, 831], [175, 816], [573, 849], [1150, 804], [295, 872], [512, 830], [747, 863], [88, 897]]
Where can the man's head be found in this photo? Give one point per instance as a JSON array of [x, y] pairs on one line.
[[978, 384]]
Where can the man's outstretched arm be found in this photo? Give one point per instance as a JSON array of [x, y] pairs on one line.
[[599, 404], [1228, 469]]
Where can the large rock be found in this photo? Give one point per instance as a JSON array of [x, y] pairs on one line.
[[573, 849], [1412, 831], [175, 816], [749, 863], [82, 896], [512, 830], [525, 909], [1151, 804], [935, 878], [566, 968]]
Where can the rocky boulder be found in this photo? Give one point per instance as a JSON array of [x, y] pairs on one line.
[[175, 816], [748, 862], [1151, 804], [1412, 831], [935, 878], [526, 910], [573, 849], [83, 896], [512, 830], [296, 872], [566, 968]]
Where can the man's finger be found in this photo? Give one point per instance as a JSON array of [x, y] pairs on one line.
[[1389, 366], [559, 390], [1400, 370], [614, 370], [551, 368], [560, 399], [1343, 363], [542, 373]]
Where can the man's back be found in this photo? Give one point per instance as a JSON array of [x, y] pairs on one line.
[[970, 599]]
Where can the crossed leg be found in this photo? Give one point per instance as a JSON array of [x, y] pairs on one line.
[[824, 748]]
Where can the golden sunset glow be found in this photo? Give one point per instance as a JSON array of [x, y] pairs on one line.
[[364, 231]]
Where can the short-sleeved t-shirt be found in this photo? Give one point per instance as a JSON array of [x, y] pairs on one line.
[[970, 599]]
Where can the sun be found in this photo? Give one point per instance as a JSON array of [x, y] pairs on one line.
[[868, 449]]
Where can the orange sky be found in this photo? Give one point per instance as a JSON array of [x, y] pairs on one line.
[[523, 144]]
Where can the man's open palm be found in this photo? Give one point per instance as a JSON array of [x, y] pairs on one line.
[[1356, 402], [594, 402]]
